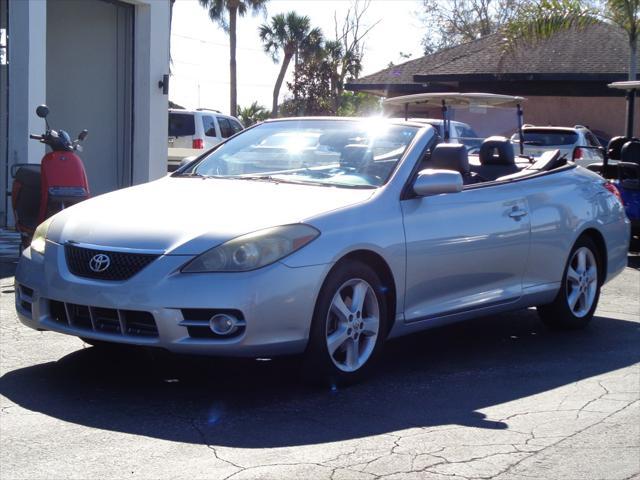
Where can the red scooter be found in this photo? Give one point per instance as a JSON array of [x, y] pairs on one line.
[[40, 191]]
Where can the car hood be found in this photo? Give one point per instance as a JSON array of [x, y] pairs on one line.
[[185, 216]]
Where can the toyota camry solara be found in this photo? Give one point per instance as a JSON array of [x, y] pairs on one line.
[[325, 248]]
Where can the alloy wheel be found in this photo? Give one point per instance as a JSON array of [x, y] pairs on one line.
[[582, 281], [352, 325]]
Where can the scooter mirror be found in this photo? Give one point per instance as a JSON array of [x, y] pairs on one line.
[[42, 111], [83, 134]]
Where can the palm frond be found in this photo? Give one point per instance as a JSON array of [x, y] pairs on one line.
[[217, 11], [539, 21]]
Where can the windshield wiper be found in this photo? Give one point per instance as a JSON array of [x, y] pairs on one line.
[[254, 177], [193, 175]]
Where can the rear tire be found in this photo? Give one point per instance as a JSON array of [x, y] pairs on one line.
[[349, 326], [579, 293]]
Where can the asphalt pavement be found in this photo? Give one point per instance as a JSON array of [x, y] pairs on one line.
[[500, 397]]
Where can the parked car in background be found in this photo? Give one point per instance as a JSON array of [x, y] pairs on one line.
[[191, 132], [577, 143], [602, 137], [460, 132]]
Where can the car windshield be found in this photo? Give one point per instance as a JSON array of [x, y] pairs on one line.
[[548, 137], [470, 125], [343, 153]]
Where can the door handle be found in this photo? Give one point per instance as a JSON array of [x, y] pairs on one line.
[[517, 213]]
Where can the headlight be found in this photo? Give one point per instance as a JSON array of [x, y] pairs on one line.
[[254, 250], [38, 242]]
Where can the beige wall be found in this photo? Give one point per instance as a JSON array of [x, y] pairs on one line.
[[598, 113]]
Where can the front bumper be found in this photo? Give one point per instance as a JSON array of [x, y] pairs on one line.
[[276, 303]]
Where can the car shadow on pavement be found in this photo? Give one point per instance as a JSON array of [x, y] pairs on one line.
[[440, 377]]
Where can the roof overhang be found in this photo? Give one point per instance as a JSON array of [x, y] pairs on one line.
[[630, 85], [520, 77]]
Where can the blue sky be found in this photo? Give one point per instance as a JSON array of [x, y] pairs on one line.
[[200, 49]]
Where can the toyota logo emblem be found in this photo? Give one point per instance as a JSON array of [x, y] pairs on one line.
[[99, 263]]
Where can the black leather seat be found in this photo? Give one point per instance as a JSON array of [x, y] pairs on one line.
[[356, 156], [629, 167], [497, 158], [614, 148], [451, 156], [630, 151]]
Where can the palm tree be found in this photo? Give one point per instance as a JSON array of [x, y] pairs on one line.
[[225, 13], [288, 33], [252, 114], [547, 17]]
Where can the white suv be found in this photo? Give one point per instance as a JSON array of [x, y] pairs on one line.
[[191, 132], [577, 143]]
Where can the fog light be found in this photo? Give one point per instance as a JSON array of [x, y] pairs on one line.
[[223, 324]]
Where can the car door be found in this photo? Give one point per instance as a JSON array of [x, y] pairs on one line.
[[465, 250], [211, 135]]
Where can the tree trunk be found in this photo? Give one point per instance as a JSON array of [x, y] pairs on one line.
[[233, 81], [633, 59], [276, 89]]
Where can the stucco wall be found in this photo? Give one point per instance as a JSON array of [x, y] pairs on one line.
[[606, 114]]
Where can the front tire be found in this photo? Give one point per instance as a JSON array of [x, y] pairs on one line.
[[579, 293], [349, 325]]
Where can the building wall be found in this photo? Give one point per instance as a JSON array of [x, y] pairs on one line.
[[27, 87], [606, 114]]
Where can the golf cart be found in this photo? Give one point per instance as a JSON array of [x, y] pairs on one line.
[[622, 160]]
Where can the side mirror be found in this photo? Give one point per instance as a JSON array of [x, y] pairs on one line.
[[435, 182], [83, 134], [42, 111]]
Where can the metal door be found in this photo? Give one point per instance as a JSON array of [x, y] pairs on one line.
[[465, 250], [90, 84]]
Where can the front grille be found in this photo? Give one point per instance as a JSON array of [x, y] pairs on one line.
[[121, 265], [108, 320]]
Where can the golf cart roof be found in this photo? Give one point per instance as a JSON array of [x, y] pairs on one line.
[[461, 99], [630, 85]]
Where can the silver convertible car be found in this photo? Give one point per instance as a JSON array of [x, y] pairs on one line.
[[378, 231]]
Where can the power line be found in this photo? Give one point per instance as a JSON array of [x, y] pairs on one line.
[[218, 44]]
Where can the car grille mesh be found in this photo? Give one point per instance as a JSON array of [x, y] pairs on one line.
[[108, 320], [122, 266]]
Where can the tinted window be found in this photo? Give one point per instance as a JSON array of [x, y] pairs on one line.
[[544, 138], [181, 124], [225, 127], [236, 126], [592, 140], [209, 126]]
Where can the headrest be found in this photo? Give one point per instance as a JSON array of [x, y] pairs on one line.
[[614, 148], [335, 140], [449, 156], [355, 155], [497, 151], [630, 151]]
